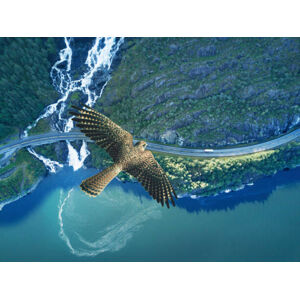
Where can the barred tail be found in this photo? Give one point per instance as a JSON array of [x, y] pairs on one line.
[[94, 185]]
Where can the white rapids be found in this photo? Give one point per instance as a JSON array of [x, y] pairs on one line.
[[50, 165], [100, 56]]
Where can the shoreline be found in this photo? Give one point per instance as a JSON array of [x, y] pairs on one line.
[[180, 195], [23, 193]]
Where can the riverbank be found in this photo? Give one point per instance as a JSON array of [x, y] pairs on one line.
[[23, 193], [20, 176]]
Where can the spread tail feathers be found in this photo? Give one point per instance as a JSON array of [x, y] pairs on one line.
[[94, 185]]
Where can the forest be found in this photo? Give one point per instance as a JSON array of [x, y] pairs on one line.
[[25, 83]]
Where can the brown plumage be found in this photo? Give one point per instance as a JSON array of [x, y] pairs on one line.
[[133, 159]]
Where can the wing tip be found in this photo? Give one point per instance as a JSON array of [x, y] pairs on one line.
[[83, 106], [167, 204], [175, 194], [76, 107]]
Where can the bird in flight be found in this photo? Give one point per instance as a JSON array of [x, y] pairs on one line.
[[133, 159]]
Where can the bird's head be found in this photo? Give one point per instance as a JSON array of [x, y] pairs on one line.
[[141, 145]]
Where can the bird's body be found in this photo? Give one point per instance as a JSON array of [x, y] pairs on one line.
[[133, 159]]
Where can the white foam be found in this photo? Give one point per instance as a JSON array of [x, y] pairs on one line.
[[100, 56], [62, 234], [110, 238], [75, 159], [50, 164]]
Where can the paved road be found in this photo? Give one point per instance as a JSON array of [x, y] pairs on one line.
[[54, 137]]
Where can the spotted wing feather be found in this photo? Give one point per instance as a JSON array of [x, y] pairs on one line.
[[102, 130], [153, 178]]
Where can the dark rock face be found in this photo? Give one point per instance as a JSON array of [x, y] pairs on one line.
[[180, 123], [207, 51], [228, 65], [98, 80], [173, 49], [80, 47], [61, 151], [141, 87], [201, 71], [203, 91], [169, 95], [248, 92], [169, 136]]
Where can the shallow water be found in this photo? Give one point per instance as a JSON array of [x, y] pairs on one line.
[[58, 222]]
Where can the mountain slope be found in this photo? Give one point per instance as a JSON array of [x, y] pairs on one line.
[[204, 92]]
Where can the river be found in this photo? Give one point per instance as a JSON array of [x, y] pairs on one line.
[[58, 222]]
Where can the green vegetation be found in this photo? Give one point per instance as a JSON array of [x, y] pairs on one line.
[[20, 174], [52, 151], [99, 157], [75, 96], [25, 85], [210, 176], [43, 126], [210, 92]]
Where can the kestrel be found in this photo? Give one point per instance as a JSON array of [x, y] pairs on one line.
[[133, 159]]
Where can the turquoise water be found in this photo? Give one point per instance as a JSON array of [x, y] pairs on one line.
[[58, 222]]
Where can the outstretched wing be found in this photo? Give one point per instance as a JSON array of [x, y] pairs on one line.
[[149, 173], [102, 130]]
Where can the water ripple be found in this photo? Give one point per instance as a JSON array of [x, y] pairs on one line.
[[87, 237]]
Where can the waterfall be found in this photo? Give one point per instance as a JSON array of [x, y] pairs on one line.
[[99, 57], [50, 165], [76, 159]]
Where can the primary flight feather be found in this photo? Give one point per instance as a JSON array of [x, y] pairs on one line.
[[133, 159]]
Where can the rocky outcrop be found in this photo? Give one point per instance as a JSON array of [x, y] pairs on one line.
[[210, 50], [142, 87], [169, 136], [201, 71]]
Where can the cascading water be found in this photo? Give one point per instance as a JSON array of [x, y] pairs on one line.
[[100, 56], [51, 165]]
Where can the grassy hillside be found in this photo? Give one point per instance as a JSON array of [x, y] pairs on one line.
[[206, 92]]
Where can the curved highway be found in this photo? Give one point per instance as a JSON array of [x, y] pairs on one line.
[[237, 151]]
